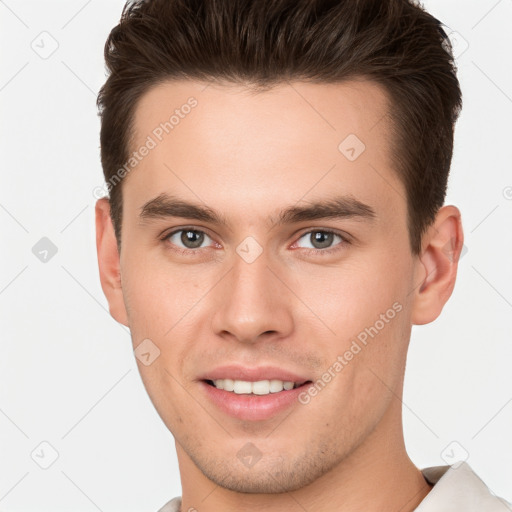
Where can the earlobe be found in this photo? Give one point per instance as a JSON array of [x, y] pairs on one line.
[[109, 262], [436, 269]]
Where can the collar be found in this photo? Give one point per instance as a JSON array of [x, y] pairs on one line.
[[457, 488]]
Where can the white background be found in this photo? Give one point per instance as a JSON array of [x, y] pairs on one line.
[[67, 372]]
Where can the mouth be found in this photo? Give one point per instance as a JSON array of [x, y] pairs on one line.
[[260, 387], [253, 393], [257, 399]]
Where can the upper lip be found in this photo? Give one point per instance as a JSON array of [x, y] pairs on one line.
[[237, 372]]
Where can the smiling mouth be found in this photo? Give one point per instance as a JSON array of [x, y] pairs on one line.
[[261, 387]]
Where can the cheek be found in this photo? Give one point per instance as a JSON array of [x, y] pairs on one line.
[[159, 295], [163, 305], [364, 306], [351, 296], [162, 384]]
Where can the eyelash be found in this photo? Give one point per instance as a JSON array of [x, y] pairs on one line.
[[317, 252]]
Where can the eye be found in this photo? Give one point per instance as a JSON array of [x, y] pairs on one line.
[[187, 238], [321, 240]]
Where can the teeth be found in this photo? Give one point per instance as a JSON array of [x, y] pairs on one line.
[[228, 384], [276, 385], [261, 387], [242, 387]]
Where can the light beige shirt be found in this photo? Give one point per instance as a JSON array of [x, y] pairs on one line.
[[456, 488]]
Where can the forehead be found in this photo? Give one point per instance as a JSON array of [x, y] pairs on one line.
[[324, 111], [230, 145]]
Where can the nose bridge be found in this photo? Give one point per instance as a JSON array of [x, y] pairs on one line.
[[252, 301]]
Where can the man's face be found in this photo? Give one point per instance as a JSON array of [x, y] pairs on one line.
[[258, 297]]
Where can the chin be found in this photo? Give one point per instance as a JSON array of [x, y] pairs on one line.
[[272, 476]]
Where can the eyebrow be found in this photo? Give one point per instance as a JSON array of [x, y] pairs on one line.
[[340, 207]]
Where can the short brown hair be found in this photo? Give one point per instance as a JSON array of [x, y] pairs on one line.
[[394, 43]]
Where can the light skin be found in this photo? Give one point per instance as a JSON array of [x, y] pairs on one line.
[[297, 306]]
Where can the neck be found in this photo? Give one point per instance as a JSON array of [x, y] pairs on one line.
[[377, 475]]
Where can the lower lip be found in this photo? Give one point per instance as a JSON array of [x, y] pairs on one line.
[[252, 407]]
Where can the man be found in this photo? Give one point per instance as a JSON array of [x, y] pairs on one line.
[[275, 226]]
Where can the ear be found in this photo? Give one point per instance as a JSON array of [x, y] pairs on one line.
[[108, 262], [436, 268]]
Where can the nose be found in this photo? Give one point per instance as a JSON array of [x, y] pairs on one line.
[[253, 302]]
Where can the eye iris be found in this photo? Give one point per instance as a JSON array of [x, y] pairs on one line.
[[192, 239], [321, 239]]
